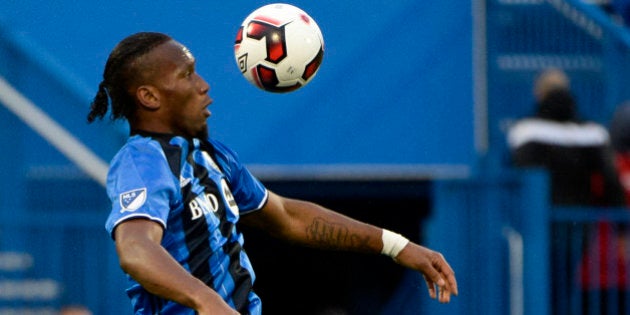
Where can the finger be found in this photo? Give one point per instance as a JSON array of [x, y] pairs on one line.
[[451, 281], [444, 296], [430, 287], [446, 272], [432, 275]]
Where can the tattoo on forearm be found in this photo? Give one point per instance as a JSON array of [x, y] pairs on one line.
[[330, 235]]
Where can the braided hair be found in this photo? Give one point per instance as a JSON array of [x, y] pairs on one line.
[[121, 71]]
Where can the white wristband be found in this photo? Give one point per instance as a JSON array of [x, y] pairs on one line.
[[393, 243]]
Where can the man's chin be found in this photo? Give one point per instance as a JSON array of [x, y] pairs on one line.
[[202, 134]]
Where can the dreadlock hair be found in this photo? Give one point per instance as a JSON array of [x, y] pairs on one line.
[[120, 72]]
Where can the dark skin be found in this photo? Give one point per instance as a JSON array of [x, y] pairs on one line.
[[173, 98]]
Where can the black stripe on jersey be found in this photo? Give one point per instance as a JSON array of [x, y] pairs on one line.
[[173, 156], [197, 238], [157, 304], [242, 279]]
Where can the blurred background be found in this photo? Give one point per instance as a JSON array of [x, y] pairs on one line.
[[404, 126]]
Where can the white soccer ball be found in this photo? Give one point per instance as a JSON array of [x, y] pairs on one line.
[[279, 48]]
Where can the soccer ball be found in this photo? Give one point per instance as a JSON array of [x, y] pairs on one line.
[[279, 48]]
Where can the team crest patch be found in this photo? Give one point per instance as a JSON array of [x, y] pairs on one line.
[[133, 199], [229, 198]]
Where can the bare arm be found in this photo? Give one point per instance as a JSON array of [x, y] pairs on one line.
[[145, 260], [312, 225]]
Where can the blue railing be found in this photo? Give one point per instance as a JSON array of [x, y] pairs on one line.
[[494, 231], [590, 260], [59, 259], [523, 38], [516, 254]]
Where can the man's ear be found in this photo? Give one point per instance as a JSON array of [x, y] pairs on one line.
[[148, 96]]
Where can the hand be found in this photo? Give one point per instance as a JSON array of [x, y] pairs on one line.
[[434, 268]]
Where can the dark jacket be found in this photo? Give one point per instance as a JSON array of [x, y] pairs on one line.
[[576, 153]]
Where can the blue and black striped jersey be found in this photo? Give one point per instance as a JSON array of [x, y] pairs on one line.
[[196, 190]]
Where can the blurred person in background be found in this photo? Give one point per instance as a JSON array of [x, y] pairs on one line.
[[579, 158], [577, 153]]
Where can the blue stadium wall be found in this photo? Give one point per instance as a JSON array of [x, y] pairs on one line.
[[394, 87]]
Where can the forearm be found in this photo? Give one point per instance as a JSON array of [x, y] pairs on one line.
[[154, 268], [312, 225], [330, 230]]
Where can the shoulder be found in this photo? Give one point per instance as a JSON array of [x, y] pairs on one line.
[[151, 147], [557, 133], [139, 146], [141, 156]]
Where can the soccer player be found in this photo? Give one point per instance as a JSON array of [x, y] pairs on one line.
[[178, 195]]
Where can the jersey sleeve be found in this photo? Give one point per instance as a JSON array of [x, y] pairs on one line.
[[140, 185], [250, 194]]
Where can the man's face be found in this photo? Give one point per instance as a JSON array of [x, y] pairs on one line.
[[182, 92]]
